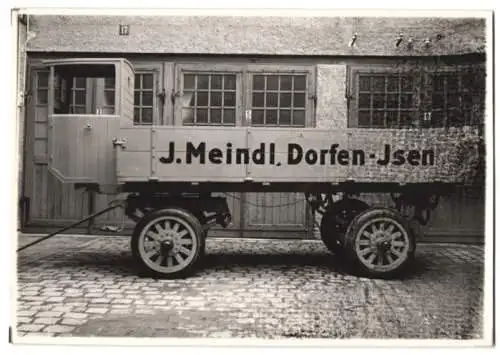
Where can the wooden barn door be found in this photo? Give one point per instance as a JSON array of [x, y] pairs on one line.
[[51, 203], [278, 97]]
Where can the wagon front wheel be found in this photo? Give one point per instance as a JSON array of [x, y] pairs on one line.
[[168, 243], [380, 243]]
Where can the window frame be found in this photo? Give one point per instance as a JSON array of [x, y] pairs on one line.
[[90, 92], [244, 74], [422, 90], [197, 69], [156, 70], [352, 91], [310, 90]]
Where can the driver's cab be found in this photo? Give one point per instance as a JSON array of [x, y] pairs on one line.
[[89, 100]]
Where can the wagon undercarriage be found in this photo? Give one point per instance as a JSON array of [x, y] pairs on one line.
[[169, 238]]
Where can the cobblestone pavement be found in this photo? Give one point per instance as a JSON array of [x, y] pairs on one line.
[[86, 286]]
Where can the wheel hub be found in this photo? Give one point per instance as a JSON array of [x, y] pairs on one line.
[[166, 246], [384, 246]]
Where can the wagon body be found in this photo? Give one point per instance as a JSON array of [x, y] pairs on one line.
[[284, 155], [105, 148]]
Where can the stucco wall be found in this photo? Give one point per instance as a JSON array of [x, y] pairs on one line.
[[257, 35]]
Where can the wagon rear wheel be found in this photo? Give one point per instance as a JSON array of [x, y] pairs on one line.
[[380, 243], [336, 220], [168, 243]]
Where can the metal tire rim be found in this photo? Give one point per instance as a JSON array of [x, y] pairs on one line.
[[167, 244], [382, 244]]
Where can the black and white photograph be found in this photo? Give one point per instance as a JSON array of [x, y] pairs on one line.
[[252, 177]]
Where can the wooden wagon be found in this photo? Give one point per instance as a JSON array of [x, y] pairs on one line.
[[169, 175]]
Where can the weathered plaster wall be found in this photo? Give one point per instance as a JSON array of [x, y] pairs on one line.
[[328, 36], [331, 107]]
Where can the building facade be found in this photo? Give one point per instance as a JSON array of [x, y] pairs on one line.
[[327, 72]]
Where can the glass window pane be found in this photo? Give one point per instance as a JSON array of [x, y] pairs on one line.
[[258, 82], [272, 82], [392, 119], [378, 119], [437, 119], [258, 100], [202, 115], [406, 83], [406, 101], [42, 97], [229, 116], [378, 101], [364, 118], [286, 82], [79, 110], [285, 117], [452, 83], [272, 100], [364, 101], [299, 118], [257, 117], [43, 79], [80, 83], [80, 97], [229, 82], [393, 100], [406, 119], [109, 83], [202, 99], [364, 83], [137, 116], [285, 100], [229, 99], [393, 83], [467, 100], [437, 100], [455, 118], [137, 81], [189, 81], [299, 100], [147, 115], [203, 81], [215, 99], [147, 98], [187, 116], [137, 98], [110, 97], [272, 117], [378, 83], [216, 82], [299, 82], [215, 116], [453, 100], [147, 81], [438, 83]]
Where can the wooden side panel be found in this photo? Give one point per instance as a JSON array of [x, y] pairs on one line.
[[82, 149], [133, 159], [297, 155], [53, 201]]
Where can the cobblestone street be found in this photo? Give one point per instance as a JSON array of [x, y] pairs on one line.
[[87, 286]]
